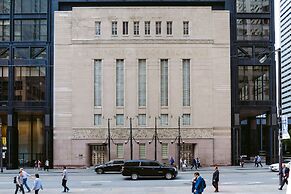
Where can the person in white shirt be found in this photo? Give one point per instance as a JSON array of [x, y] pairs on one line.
[[37, 185], [65, 179], [25, 176]]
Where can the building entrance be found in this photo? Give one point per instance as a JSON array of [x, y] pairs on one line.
[[98, 153], [30, 138], [187, 152]]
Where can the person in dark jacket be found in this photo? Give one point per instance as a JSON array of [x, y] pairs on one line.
[[285, 175], [194, 164], [215, 178]]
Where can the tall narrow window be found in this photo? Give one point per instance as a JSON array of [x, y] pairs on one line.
[[119, 119], [186, 28], [97, 82], [114, 28], [165, 152], [142, 82], [136, 28], [119, 151], [147, 27], [158, 28], [142, 120], [164, 121], [186, 82], [186, 119], [98, 28], [142, 151], [119, 82], [169, 28], [125, 28], [97, 119], [164, 82]]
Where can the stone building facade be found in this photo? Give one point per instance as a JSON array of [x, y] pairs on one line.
[[145, 66]]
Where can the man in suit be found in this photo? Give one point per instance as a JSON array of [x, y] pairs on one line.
[[285, 175], [215, 178]]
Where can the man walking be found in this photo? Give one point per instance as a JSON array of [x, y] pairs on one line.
[[19, 183], [25, 176], [259, 161], [198, 184], [65, 179], [37, 185], [215, 178], [285, 175], [194, 164]]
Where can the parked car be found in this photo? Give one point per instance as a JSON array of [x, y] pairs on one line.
[[147, 168], [111, 166], [275, 167]]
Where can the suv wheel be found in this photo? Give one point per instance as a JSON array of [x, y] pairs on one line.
[[169, 176], [134, 176], [99, 171]]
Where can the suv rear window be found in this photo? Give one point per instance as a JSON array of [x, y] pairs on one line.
[[131, 164]]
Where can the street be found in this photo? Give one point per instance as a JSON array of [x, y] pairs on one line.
[[234, 180]]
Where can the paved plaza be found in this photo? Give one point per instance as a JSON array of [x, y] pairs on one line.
[[233, 180]]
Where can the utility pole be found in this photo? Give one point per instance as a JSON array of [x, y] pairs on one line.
[[156, 134], [179, 142], [109, 139], [130, 136]]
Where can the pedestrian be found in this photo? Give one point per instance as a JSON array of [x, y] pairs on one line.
[[46, 165], [194, 164], [181, 163], [215, 178], [35, 165], [172, 161], [285, 175], [37, 185], [198, 162], [25, 176], [199, 185], [259, 161], [38, 165], [241, 161], [19, 183], [65, 179], [256, 161]]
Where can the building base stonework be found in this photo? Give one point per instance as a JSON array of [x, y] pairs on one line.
[[208, 144]]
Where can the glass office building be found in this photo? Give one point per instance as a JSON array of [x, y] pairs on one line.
[[25, 81]]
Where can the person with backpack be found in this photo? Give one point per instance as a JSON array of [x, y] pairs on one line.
[[198, 184], [215, 178], [18, 180]]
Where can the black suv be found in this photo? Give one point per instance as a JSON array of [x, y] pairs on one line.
[[111, 166], [147, 168]]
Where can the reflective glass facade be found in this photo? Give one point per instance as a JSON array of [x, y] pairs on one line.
[[25, 80]]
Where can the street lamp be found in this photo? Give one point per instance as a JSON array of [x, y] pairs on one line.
[[155, 137], [179, 141], [131, 138], [1, 147], [109, 139], [279, 109]]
